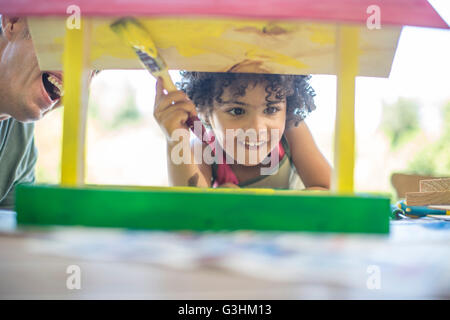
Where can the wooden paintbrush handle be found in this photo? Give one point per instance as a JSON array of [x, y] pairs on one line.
[[167, 81]]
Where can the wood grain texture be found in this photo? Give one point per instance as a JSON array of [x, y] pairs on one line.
[[435, 185], [427, 198], [440, 207], [225, 45], [404, 183], [75, 101], [344, 138]]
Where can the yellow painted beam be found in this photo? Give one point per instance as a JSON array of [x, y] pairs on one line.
[[76, 76], [344, 142], [220, 44]]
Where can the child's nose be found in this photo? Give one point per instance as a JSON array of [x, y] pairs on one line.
[[257, 123]]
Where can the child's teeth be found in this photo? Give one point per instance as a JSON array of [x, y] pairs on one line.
[[252, 144]]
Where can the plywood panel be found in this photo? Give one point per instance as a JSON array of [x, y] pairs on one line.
[[220, 45], [435, 185], [427, 198]]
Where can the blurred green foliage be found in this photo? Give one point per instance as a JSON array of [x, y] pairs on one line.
[[434, 159], [126, 113], [400, 121]]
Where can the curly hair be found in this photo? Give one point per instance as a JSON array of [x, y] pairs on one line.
[[204, 87]]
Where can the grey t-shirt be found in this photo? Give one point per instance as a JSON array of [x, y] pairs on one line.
[[18, 155]]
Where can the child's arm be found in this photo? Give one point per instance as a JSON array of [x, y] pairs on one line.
[[172, 117], [311, 165], [190, 174]]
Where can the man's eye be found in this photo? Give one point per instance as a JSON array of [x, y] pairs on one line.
[[271, 110], [236, 111]]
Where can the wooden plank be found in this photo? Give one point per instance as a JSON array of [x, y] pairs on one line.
[[435, 185], [393, 12], [201, 209], [440, 207], [427, 198], [344, 143], [221, 45], [75, 101], [404, 183]]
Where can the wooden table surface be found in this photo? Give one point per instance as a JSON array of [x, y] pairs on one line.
[[29, 274]]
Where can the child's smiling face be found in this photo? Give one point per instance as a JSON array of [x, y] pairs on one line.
[[263, 122]]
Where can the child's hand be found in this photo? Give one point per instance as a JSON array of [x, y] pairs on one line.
[[228, 185], [171, 116]]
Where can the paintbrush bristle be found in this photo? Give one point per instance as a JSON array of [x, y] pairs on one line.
[[149, 62], [137, 36]]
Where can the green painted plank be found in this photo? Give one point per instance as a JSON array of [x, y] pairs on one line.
[[201, 209]]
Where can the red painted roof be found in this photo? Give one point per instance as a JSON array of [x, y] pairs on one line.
[[393, 12]]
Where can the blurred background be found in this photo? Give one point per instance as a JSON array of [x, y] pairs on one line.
[[402, 122]]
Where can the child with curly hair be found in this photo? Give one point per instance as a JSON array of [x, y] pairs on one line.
[[239, 103]]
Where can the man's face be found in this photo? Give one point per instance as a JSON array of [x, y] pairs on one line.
[[26, 92]]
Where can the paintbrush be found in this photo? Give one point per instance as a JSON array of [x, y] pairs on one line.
[[135, 35]]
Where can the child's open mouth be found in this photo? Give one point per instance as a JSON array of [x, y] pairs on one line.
[[53, 86], [252, 145]]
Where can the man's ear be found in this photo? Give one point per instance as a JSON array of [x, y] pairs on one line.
[[12, 26]]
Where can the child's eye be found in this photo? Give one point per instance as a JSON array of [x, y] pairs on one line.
[[271, 110], [236, 111]]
